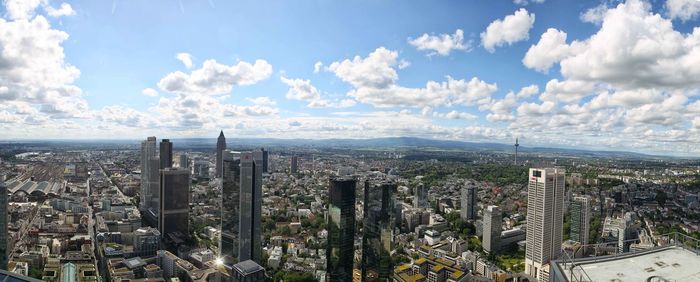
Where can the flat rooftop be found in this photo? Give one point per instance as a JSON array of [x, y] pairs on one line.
[[670, 263]]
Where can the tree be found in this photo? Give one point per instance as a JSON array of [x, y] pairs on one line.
[[661, 198]]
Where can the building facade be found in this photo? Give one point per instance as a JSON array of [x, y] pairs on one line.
[[379, 224], [545, 220], [220, 147], [492, 229], [341, 229], [230, 206], [580, 219], [149, 172], [420, 196], [166, 154], [250, 207], [468, 201], [175, 202]]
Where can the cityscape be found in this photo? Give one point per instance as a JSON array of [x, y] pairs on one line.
[[185, 141]]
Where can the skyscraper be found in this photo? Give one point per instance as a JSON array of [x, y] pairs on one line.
[[230, 206], [149, 174], [545, 217], [184, 161], [580, 219], [166, 154], [175, 201], [378, 231], [420, 196], [220, 147], [248, 271], [295, 164], [3, 224], [341, 229], [250, 243], [492, 229], [265, 161], [468, 201]]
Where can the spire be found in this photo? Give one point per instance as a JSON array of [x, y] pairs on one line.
[[221, 134]]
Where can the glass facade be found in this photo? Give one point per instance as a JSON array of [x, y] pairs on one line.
[[341, 229], [378, 231]]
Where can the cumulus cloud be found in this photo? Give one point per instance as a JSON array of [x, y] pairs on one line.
[[551, 49], [149, 92], [214, 78], [317, 66], [683, 10], [300, 89], [374, 81], [62, 11], [185, 58], [509, 30], [441, 44], [594, 15]]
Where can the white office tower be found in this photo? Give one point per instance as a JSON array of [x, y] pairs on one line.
[[492, 229], [545, 217], [149, 173]]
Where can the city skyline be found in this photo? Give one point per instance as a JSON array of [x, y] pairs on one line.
[[469, 71]]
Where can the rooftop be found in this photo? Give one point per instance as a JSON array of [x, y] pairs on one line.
[[671, 263]]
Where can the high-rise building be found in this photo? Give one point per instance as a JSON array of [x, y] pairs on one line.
[[149, 174], [341, 229], [175, 201], [146, 241], [580, 219], [468, 201], [378, 231], [166, 154], [230, 206], [265, 155], [295, 164], [250, 234], [3, 224], [248, 271], [420, 196], [545, 220], [220, 147], [493, 223], [184, 161]]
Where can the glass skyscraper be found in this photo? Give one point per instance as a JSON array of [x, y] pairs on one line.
[[230, 205], [341, 229], [378, 231], [175, 201], [250, 207]]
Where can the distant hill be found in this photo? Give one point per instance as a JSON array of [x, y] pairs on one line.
[[388, 142]]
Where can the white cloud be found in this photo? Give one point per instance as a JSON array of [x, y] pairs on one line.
[[322, 103], [185, 58], [636, 48], [376, 70], [317, 66], [551, 49], [567, 90], [441, 44], [22, 9], [214, 78], [594, 15], [511, 29], [149, 92], [404, 64], [525, 2], [696, 122], [528, 91], [683, 10], [64, 10], [300, 89], [461, 115], [262, 101], [533, 109]]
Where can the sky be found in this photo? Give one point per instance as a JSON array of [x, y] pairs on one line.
[[601, 75]]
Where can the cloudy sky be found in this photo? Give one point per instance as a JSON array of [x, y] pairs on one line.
[[609, 75]]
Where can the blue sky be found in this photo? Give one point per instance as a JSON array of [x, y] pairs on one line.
[[624, 77]]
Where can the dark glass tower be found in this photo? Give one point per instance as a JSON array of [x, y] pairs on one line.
[[378, 231], [175, 201], [3, 223], [264, 158], [220, 147], [295, 164], [250, 205], [166, 154], [230, 206], [341, 229]]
